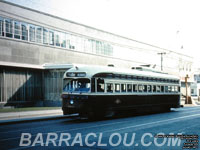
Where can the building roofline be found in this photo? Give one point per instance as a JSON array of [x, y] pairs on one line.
[[43, 67], [92, 27], [20, 65]]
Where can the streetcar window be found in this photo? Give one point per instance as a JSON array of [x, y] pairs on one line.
[[76, 85], [154, 88], [149, 88], [93, 85], [140, 88], [172, 88], [166, 89], [176, 89], [100, 85], [158, 88], [117, 87], [123, 87], [109, 87], [145, 88], [162, 88], [135, 88], [129, 87], [169, 88]]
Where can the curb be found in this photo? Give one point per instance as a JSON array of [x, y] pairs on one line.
[[34, 119]]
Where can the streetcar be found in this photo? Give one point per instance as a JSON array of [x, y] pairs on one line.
[[96, 91]]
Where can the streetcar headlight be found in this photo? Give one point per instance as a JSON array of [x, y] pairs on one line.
[[71, 101]]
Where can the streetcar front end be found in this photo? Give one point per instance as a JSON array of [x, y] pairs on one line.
[[76, 87]]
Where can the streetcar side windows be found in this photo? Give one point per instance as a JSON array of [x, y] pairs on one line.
[[154, 88], [103, 85], [109, 87], [100, 85], [135, 88], [117, 87], [162, 88], [176, 89], [123, 87], [145, 88], [166, 89], [149, 89], [140, 88], [129, 87], [158, 88]]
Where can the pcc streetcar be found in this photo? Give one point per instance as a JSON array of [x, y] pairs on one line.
[[94, 90]]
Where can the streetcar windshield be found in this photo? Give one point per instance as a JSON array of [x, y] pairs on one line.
[[76, 85]]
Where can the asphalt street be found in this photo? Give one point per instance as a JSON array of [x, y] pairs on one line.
[[177, 129]]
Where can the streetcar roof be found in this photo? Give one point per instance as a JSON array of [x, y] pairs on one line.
[[94, 70]]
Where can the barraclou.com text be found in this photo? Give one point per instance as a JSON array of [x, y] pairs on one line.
[[100, 140]]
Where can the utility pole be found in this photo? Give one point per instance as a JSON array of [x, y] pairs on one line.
[[186, 89], [161, 54]]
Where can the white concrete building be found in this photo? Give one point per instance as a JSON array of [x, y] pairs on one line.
[[29, 39]]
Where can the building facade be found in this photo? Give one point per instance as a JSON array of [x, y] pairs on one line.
[[30, 40], [195, 86]]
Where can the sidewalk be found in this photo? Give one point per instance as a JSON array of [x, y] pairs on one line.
[[194, 103], [27, 116]]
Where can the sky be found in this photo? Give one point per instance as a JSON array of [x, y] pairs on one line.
[[170, 24]]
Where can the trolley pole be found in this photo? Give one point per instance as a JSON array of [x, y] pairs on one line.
[[186, 89], [161, 54]]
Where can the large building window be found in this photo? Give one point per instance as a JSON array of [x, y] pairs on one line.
[[51, 37], [98, 47], [45, 36], [63, 39], [17, 30], [71, 41], [87, 45], [39, 34], [1, 27], [9, 28], [32, 33], [57, 38], [24, 28], [24, 31], [93, 46]]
